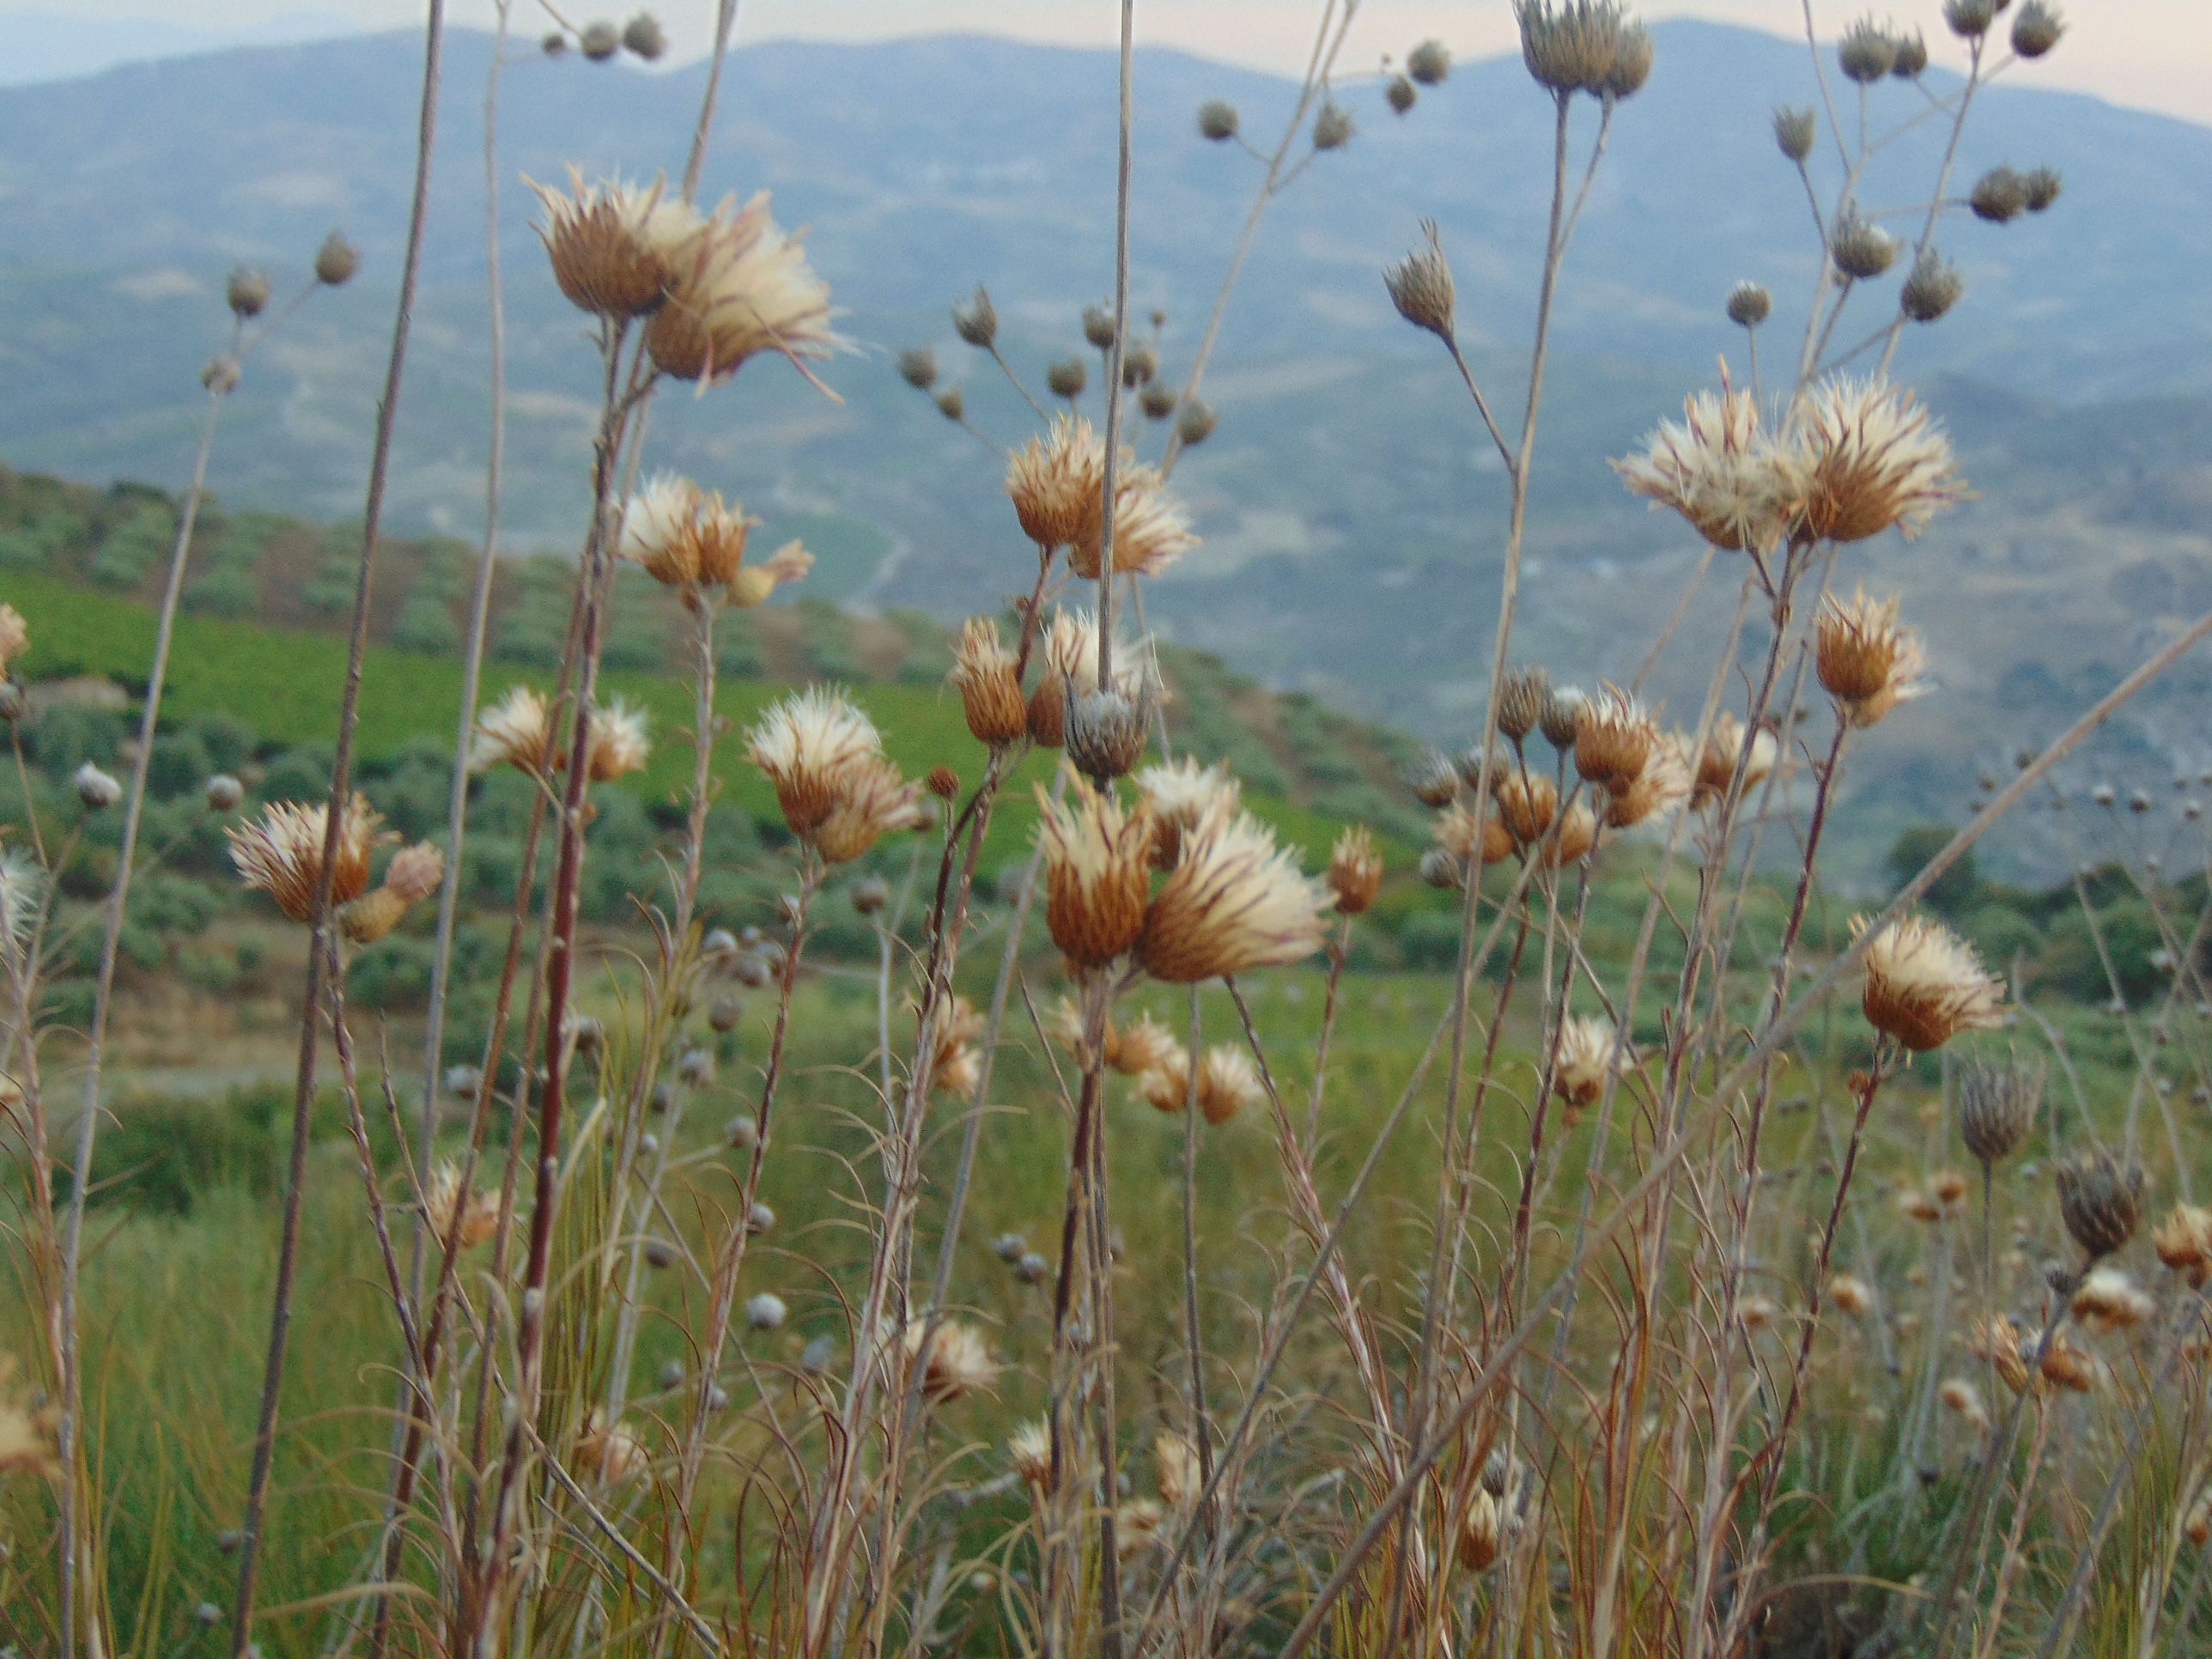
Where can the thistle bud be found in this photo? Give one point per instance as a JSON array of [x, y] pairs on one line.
[[1105, 734], [2036, 28], [766, 1311], [1422, 289], [95, 788], [1998, 195], [917, 366], [643, 37], [1139, 364], [1159, 400], [1429, 62], [2039, 188], [870, 894], [247, 292], [1433, 779], [1332, 128], [1355, 872], [2101, 1202], [1520, 699], [1196, 422], [1217, 120], [1561, 710], [1440, 869], [221, 376], [1067, 379], [336, 260], [600, 41], [1970, 20], [725, 1014], [1479, 1533], [1932, 289], [741, 1134], [943, 783], [1795, 130], [555, 45], [951, 404], [1749, 305], [1866, 53], [1998, 1107], [1912, 56], [1861, 251], [1401, 95], [224, 793], [977, 322]]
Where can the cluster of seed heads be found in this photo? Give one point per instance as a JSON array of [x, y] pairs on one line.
[[602, 41]]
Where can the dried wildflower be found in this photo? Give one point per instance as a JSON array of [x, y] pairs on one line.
[[1481, 1533], [446, 1207], [643, 37], [1664, 786], [2184, 1243], [517, 732], [1749, 305], [1851, 1294], [222, 792], [952, 403], [1069, 644], [2101, 1202], [917, 366], [1055, 481], [22, 895], [247, 292], [1997, 1340], [1217, 120], [2107, 1300], [1106, 732], [1138, 1521], [958, 1071], [2039, 188], [1795, 130], [1590, 1052], [1859, 250], [1998, 1106], [1165, 1085], [1925, 985], [1159, 400], [1614, 740], [1867, 53], [1098, 873], [615, 742], [600, 41], [14, 637], [1998, 197], [1067, 378], [2036, 27], [1458, 832], [411, 877], [1718, 760], [1179, 1478], [1865, 660], [1401, 93], [806, 744], [1429, 62], [1520, 699], [1912, 56], [1570, 839], [1918, 1204], [1145, 1046], [96, 789], [281, 854], [957, 1364], [1932, 289], [611, 243], [977, 322], [990, 690], [1963, 1397], [1178, 792], [1196, 422], [1064, 1025], [1333, 127], [1758, 1313], [1527, 804], [2067, 1367], [2197, 1527], [1869, 457], [1234, 901], [1718, 469], [738, 286], [1562, 709], [1228, 1082], [336, 260], [873, 801], [1971, 18], [1029, 1449], [609, 1455], [682, 536], [1421, 287], [1949, 1189], [28, 1443], [1150, 530], [766, 1312], [1433, 779], [1583, 45], [1355, 870]]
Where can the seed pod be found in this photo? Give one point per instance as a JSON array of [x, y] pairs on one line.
[[2039, 188], [1422, 289], [977, 322], [1032, 1268], [766, 1311], [1355, 872], [1932, 289], [1429, 62], [1010, 1248], [1749, 305], [1433, 779], [1795, 130], [1105, 734], [1196, 422], [247, 292], [871, 894], [1401, 95], [1440, 869], [1557, 721], [1861, 251], [1159, 400], [555, 45], [336, 260], [600, 41], [1867, 53], [2036, 28], [1998, 195], [1971, 18], [1139, 364], [1521, 700], [951, 403], [917, 366], [697, 1068], [95, 788], [1068, 378], [2101, 1202], [643, 37], [943, 783], [221, 376], [13, 704], [1332, 128], [1998, 1107], [1217, 120], [1098, 327], [725, 1013], [224, 793], [741, 1134]]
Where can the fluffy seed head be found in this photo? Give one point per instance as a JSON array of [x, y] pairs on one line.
[[1235, 902], [1355, 870], [1057, 479], [281, 854], [739, 286], [990, 691], [873, 801], [1180, 1481], [957, 1364], [1562, 709], [1795, 130], [2107, 1300], [1718, 469], [1749, 305], [1570, 839], [1166, 1085], [23, 890], [1861, 251], [753, 583], [2101, 1202], [1665, 785], [1869, 456], [682, 536], [1029, 1449], [2184, 1243], [224, 792], [1527, 804], [1178, 792], [806, 745], [1718, 760], [766, 1311], [466, 1220], [1196, 423], [1851, 1294], [1149, 530], [609, 1455], [1614, 740], [1481, 1533], [1866, 661], [1924, 985], [415, 871], [611, 244], [1998, 1107], [1098, 873], [1421, 286], [1458, 834], [1228, 1082], [1145, 1045], [15, 636], [517, 732], [1586, 1058], [98, 790], [1070, 648], [617, 742], [1932, 289]]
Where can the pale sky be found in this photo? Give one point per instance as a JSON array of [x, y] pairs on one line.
[[2152, 54]]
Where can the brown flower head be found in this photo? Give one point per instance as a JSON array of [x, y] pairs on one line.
[[990, 690], [1614, 740], [1179, 793], [1588, 1057], [281, 854], [754, 583], [806, 744], [1925, 985], [1718, 760], [1998, 1107], [1527, 804], [1055, 480], [1570, 839], [1234, 901], [1866, 661], [739, 286], [1180, 1480], [1719, 470], [14, 637], [612, 244], [682, 536], [618, 743], [466, 1220], [957, 1364], [1963, 1397], [1851, 1294], [1150, 530], [2107, 1300], [873, 801], [2184, 1243], [1665, 785], [1864, 457], [609, 1455], [1481, 1533], [1029, 1449], [1166, 1085], [516, 732], [2101, 1201], [1070, 648], [1228, 1082], [1145, 1046], [1355, 870], [1098, 873]]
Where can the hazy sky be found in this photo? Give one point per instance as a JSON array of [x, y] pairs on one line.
[[2154, 54]]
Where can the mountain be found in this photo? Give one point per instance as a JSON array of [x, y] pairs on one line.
[[1350, 510]]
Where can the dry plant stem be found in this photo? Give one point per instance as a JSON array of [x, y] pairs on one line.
[[265, 1438], [725, 20], [1993, 1623], [1337, 949], [88, 1127], [1114, 399], [1193, 1340], [1896, 331]]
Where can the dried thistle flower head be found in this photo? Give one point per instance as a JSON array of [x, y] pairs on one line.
[[600, 41], [1998, 197], [281, 854], [2036, 27], [753, 583], [1459, 834], [1151, 532], [2039, 188], [1481, 1533], [1964, 1398], [1069, 644], [616, 743], [1166, 1085], [1067, 378], [1860, 250], [1724, 751], [2101, 1202], [1433, 779], [739, 286], [1998, 1107], [1794, 131], [958, 1363], [1663, 787], [873, 800], [1140, 362], [1355, 870], [2184, 1243], [806, 744], [517, 732], [1055, 481], [336, 260], [1562, 709], [1439, 868], [1180, 1481], [1228, 1082], [1614, 740], [1521, 698], [917, 366], [1912, 56], [1146, 1045], [1867, 53], [1421, 286], [1106, 732], [1931, 289], [643, 37], [2107, 1300], [1851, 1294], [98, 790], [1178, 793], [609, 1455], [1429, 64], [1217, 120], [611, 244], [247, 292], [1099, 325], [1097, 871], [1749, 305], [1029, 1449], [977, 322], [1570, 839], [411, 877], [1197, 422], [465, 1220], [1527, 804], [1401, 93], [682, 536], [15, 636], [1235, 902], [1718, 469], [952, 403], [1332, 127], [1971, 18], [1925, 985], [1590, 1053], [1583, 45], [1866, 661], [22, 893], [990, 690], [1870, 456]]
